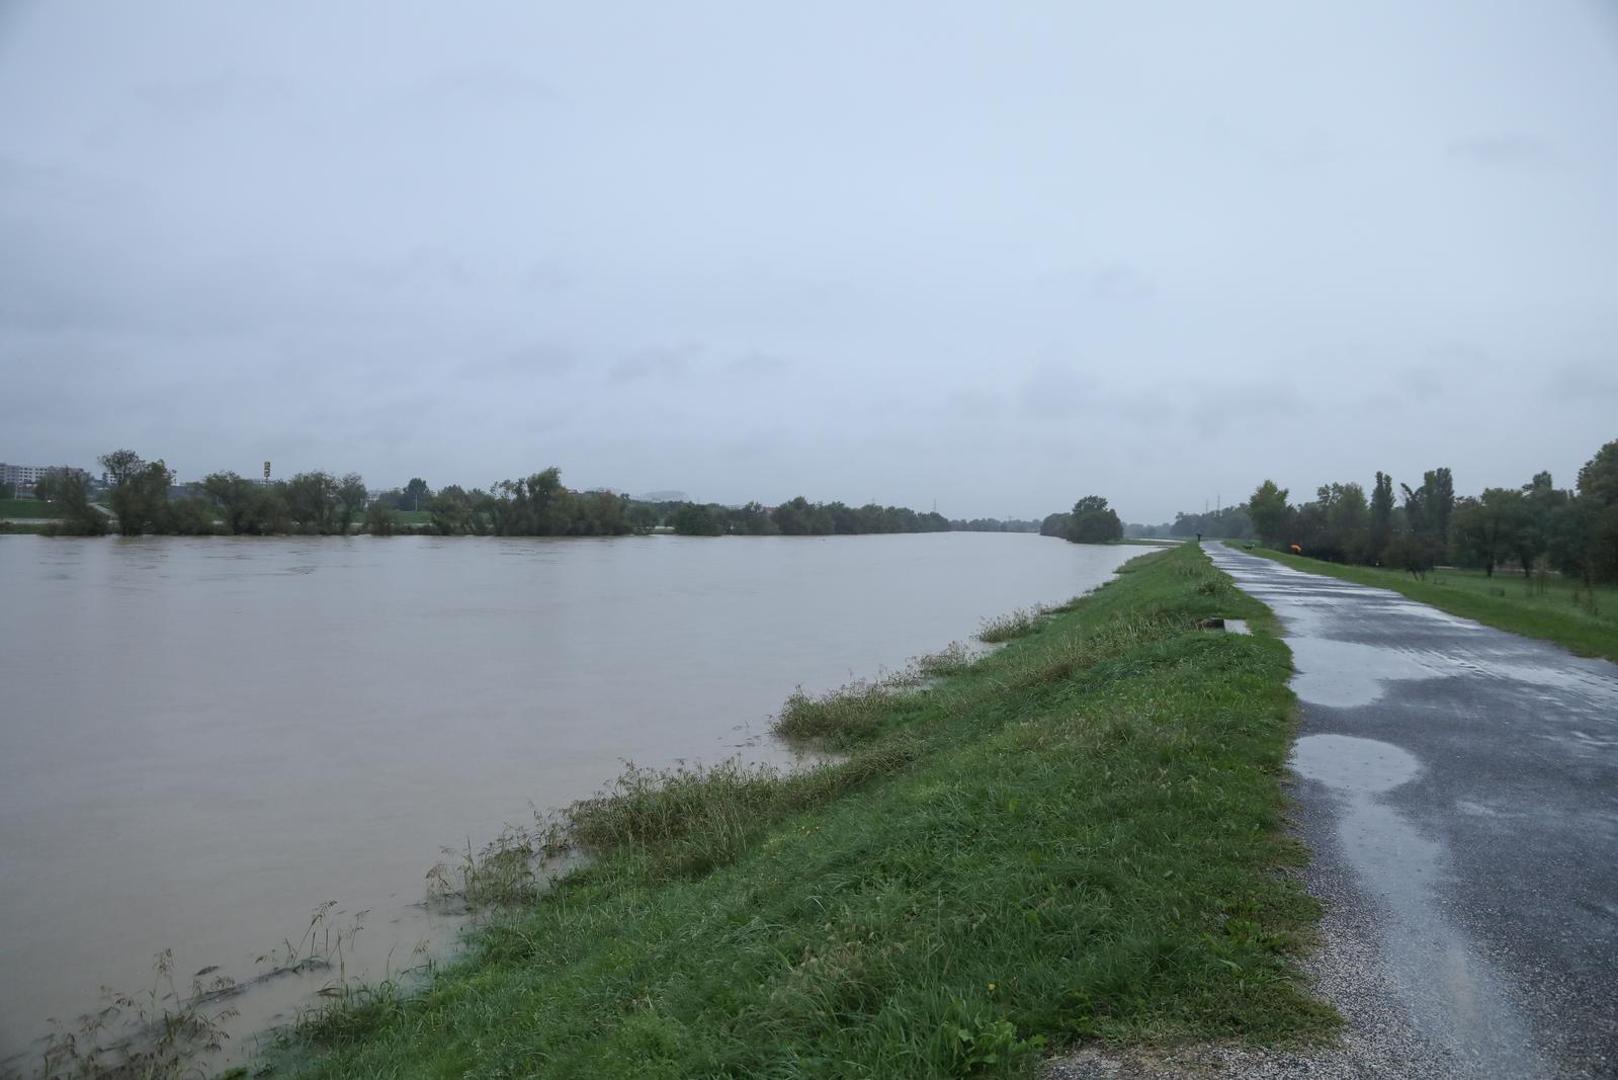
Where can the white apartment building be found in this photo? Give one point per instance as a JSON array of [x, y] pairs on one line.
[[25, 476]]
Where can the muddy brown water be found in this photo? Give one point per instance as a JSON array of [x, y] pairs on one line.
[[203, 739]]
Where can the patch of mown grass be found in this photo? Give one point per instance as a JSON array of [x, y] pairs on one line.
[[30, 508], [1079, 836], [1546, 606]]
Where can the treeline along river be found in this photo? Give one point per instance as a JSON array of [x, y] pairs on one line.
[[204, 739]]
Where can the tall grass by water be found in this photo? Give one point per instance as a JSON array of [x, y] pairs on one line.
[[1078, 837]]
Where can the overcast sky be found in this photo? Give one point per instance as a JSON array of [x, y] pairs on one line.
[[993, 255]]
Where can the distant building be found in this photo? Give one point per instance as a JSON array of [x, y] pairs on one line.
[[24, 477]]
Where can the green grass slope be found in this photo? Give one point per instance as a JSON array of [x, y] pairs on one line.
[[1077, 837]]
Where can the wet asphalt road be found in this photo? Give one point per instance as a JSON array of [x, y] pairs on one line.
[[1459, 787]]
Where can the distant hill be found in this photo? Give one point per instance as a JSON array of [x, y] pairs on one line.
[[662, 496]]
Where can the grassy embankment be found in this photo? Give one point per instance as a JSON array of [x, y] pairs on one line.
[[1548, 606], [1077, 837], [29, 508]]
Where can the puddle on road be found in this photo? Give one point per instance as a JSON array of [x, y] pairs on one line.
[[1350, 674], [1450, 991], [1354, 765]]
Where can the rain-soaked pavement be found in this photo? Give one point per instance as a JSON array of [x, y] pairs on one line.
[[1459, 787]]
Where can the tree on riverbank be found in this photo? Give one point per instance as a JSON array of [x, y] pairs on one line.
[[1093, 522], [248, 508], [1269, 512], [69, 489], [139, 497], [695, 519]]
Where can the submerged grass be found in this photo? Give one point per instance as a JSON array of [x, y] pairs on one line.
[[1078, 837], [951, 660], [1549, 606], [1019, 623], [840, 718]]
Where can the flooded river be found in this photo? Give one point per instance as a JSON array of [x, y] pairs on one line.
[[201, 740]]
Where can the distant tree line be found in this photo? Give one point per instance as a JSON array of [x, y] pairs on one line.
[[1229, 523], [1091, 521], [1011, 525], [1573, 531], [139, 499], [536, 505], [311, 502], [800, 517], [142, 498]]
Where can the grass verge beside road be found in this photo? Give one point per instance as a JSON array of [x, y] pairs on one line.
[[1077, 837], [1550, 607]]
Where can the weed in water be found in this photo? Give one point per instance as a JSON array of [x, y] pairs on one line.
[[157, 1033], [839, 718], [1019, 623], [504, 871], [949, 661]]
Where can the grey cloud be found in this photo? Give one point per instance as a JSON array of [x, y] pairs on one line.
[[1120, 281], [1499, 151], [482, 84], [218, 92], [537, 361], [1235, 405], [546, 277], [758, 364], [1454, 364], [666, 362], [1280, 150], [976, 403], [1059, 392], [424, 267], [1585, 381], [1114, 282]]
